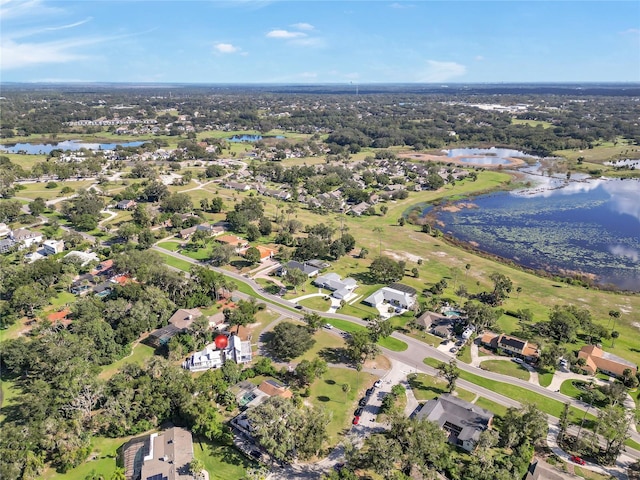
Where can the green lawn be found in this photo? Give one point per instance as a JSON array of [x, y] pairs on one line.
[[345, 325], [141, 353], [324, 341], [223, 462], [464, 354], [327, 393], [176, 262], [425, 387], [545, 404], [506, 367], [545, 378], [492, 406], [316, 303], [105, 463], [531, 123], [63, 298], [393, 344], [8, 393], [170, 245]]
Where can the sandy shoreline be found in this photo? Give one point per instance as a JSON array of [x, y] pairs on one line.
[[426, 157]]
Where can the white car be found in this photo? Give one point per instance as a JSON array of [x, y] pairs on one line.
[[328, 326]]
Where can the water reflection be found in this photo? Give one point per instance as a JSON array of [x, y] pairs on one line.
[[73, 145]]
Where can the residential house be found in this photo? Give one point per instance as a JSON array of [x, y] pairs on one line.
[[203, 227], [266, 253], [511, 345], [51, 247], [396, 294], [439, 325], [4, 230], [160, 456], [179, 322], [541, 470], [359, 209], [250, 396], [6, 245], [598, 359], [304, 267], [25, 238], [332, 281], [83, 257], [240, 187], [463, 421], [103, 268], [394, 188], [319, 264], [126, 204], [238, 243]]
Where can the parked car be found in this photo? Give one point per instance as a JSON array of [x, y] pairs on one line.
[[356, 420], [377, 384], [369, 391], [517, 360], [576, 459], [362, 402], [358, 412], [453, 349], [328, 326], [298, 307]]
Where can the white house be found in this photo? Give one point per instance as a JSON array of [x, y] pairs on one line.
[[211, 357], [25, 237], [4, 230], [332, 281], [51, 247], [396, 294], [83, 257]]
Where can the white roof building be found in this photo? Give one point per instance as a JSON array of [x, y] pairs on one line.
[[84, 257], [395, 294]]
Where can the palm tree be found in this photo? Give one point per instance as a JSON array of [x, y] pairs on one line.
[[379, 231]]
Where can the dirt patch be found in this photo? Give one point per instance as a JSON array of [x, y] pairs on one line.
[[636, 324], [380, 362], [403, 256], [459, 206]]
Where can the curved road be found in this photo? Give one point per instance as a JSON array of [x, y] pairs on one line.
[[415, 353]]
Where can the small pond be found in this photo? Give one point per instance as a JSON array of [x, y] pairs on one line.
[[73, 145]]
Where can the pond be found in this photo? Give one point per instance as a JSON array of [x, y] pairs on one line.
[[73, 145], [251, 138], [586, 227], [485, 156]]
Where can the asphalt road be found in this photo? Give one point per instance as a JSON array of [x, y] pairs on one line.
[[416, 352]]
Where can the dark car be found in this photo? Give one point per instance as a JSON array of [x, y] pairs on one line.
[[369, 392], [298, 307], [358, 412], [576, 459], [356, 420], [362, 402], [256, 454]]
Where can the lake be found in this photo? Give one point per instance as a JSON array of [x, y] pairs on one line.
[[73, 145], [587, 227]]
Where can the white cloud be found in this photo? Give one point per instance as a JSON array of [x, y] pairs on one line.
[[442, 71], [19, 55], [479, 58], [303, 26], [310, 75], [226, 48], [16, 8], [286, 34], [631, 31]]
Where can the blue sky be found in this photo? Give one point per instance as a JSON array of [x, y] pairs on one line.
[[254, 41]]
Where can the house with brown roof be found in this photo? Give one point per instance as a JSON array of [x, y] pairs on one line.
[[275, 389], [511, 345], [163, 456], [598, 359], [233, 240], [179, 322], [266, 252]]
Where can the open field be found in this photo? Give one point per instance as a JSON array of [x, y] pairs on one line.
[[602, 152], [34, 190], [139, 355], [506, 367], [425, 387], [531, 123]]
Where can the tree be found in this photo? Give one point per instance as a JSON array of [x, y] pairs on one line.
[[313, 320], [502, 286], [360, 347], [526, 425], [613, 425], [274, 424], [221, 254], [253, 233], [614, 334], [401, 221], [27, 298], [264, 225], [141, 216], [38, 206], [450, 372], [295, 277], [243, 314], [196, 467], [386, 270], [564, 421], [379, 327], [177, 203], [307, 371], [252, 255], [290, 340], [346, 388], [480, 315]]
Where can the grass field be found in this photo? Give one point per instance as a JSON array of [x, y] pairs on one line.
[[327, 393], [603, 152], [393, 344], [506, 367], [139, 355], [61, 299], [34, 190], [176, 262], [8, 393], [316, 303], [531, 123], [425, 387], [221, 461], [492, 406], [170, 245], [545, 378]]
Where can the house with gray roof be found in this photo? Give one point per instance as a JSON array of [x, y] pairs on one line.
[[396, 294], [332, 281], [463, 421], [304, 267]]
